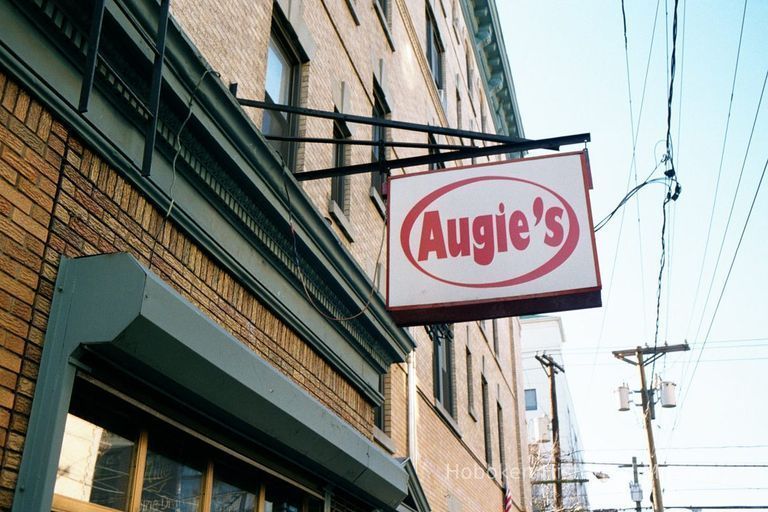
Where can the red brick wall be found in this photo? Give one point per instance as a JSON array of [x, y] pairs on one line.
[[59, 198]]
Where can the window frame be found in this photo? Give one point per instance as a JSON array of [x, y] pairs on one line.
[[500, 430], [279, 36], [149, 424], [531, 392], [470, 385], [340, 184], [486, 422], [434, 49], [380, 110], [442, 364]]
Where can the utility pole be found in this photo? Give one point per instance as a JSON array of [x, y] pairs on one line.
[[551, 367], [637, 486], [655, 353]]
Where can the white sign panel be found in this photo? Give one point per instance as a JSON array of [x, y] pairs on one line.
[[500, 239]]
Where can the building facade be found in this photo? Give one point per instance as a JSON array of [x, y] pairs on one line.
[[541, 334], [193, 327]]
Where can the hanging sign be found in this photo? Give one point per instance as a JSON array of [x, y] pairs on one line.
[[501, 239]]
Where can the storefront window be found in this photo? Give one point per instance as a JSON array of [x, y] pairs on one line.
[[95, 464], [169, 485], [117, 458]]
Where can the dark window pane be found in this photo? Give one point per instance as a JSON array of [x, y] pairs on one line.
[[94, 465], [282, 499], [231, 498], [442, 337], [170, 485]]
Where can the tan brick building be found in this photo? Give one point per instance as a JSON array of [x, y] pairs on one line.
[[205, 331]]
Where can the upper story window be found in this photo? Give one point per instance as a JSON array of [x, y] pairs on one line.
[[442, 339], [470, 384], [502, 444], [340, 184], [435, 50], [531, 403], [379, 134], [486, 422], [495, 326], [281, 87]]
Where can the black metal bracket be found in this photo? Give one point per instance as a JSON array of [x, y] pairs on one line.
[[503, 143], [157, 82], [468, 152], [94, 38]]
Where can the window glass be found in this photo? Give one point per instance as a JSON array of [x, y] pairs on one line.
[[442, 337], [530, 400], [278, 84], [470, 384], [281, 499], [486, 423], [340, 184], [280, 88], [170, 485], [94, 465], [378, 133], [227, 497], [434, 51]]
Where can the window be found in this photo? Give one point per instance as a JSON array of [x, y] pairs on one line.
[[340, 184], [281, 87], [434, 151], [502, 456], [495, 327], [531, 404], [458, 109], [470, 385], [383, 10], [378, 412], [486, 423], [434, 50], [115, 457], [470, 68], [379, 134], [442, 339]]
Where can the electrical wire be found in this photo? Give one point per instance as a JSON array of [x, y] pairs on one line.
[[727, 276], [176, 151], [719, 172], [722, 245]]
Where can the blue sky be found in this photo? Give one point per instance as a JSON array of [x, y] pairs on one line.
[[570, 72]]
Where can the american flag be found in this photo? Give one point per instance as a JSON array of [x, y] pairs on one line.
[[507, 499]]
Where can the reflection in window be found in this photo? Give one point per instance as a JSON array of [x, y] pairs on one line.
[[281, 500], [230, 498], [111, 450], [170, 485], [434, 50], [280, 88], [94, 465]]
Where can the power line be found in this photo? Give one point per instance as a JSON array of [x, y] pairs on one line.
[[671, 465], [738, 245], [719, 173]]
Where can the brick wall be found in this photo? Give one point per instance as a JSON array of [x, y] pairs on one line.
[[350, 52], [59, 198]]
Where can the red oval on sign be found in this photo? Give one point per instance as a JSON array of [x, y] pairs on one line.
[[566, 249]]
